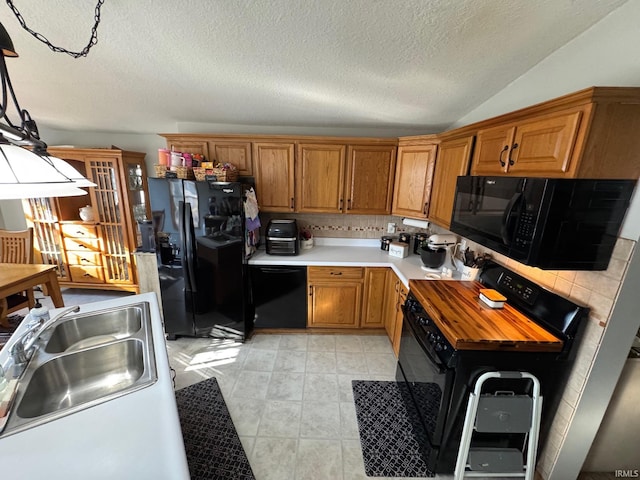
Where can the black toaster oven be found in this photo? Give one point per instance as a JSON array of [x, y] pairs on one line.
[[282, 237]]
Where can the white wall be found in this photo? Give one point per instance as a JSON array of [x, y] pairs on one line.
[[604, 55]]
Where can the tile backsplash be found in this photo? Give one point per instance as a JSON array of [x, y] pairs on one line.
[[342, 226]]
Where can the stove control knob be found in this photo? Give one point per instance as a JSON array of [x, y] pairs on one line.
[[432, 338], [424, 321], [438, 347]]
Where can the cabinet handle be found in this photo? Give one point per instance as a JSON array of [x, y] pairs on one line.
[[502, 162], [336, 273], [349, 204], [426, 208], [291, 203], [511, 161], [310, 291], [341, 203]]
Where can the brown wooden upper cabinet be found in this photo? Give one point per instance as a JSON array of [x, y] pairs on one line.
[[200, 147], [452, 161], [319, 178], [369, 179], [413, 180], [592, 133], [273, 168], [214, 149], [334, 178], [542, 146]]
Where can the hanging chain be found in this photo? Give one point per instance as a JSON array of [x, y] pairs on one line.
[[43, 39]]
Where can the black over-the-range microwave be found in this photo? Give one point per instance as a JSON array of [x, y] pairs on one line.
[[551, 223]]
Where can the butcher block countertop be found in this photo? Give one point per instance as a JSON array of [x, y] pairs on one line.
[[470, 324]]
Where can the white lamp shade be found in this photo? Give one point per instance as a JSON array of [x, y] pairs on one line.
[[23, 174], [68, 171]]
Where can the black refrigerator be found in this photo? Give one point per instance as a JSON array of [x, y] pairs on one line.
[[202, 250]]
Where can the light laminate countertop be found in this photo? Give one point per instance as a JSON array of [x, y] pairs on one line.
[[352, 253], [134, 436]]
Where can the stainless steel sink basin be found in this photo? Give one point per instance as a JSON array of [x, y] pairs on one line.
[[85, 360], [95, 328], [81, 377]]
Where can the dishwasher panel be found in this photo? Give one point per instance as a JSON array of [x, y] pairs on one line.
[[279, 296]]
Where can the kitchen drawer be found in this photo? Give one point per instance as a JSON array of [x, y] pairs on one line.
[[83, 258], [335, 273], [75, 230], [86, 274], [82, 244]]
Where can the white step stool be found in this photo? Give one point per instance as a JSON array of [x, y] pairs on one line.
[[499, 413]]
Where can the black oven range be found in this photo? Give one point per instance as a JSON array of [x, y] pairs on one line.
[[439, 361]]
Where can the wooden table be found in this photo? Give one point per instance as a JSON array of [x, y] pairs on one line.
[[18, 277]]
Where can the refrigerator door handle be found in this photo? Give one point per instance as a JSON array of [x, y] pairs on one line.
[[186, 231]]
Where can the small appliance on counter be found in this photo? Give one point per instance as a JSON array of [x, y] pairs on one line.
[[282, 237], [437, 252]]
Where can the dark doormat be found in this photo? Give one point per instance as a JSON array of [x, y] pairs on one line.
[[211, 442], [394, 444]]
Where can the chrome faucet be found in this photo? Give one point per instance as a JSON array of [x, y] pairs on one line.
[[24, 347]]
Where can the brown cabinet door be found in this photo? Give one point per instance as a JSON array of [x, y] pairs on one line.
[[369, 179], [273, 165], [189, 146], [413, 180], [391, 303], [491, 153], [334, 304], [235, 153], [319, 178], [374, 297], [109, 203], [544, 147], [453, 161], [397, 333]]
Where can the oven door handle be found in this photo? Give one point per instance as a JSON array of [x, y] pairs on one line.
[[437, 364]]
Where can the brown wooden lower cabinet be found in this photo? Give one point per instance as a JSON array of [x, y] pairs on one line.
[[335, 296], [356, 297], [373, 313], [395, 296]]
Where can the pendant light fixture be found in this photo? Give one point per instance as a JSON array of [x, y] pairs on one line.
[[26, 168]]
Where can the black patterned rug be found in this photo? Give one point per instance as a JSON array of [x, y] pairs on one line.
[[214, 451], [394, 444]]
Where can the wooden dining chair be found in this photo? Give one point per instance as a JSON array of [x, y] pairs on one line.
[[16, 247]]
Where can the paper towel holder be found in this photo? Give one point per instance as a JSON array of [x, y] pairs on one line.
[[415, 223]]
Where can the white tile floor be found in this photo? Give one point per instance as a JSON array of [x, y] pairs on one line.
[[290, 397]]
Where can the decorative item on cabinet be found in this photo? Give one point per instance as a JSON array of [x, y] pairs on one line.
[[87, 214]]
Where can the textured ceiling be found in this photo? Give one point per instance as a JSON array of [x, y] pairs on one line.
[[328, 63]]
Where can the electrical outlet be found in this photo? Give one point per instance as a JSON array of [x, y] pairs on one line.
[[391, 227]]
